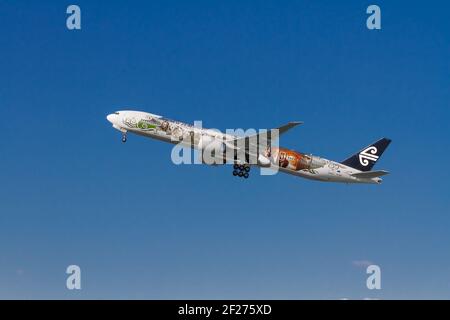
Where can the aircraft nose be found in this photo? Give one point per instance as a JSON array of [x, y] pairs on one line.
[[111, 117]]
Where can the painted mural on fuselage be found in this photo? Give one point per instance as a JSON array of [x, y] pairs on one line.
[[282, 159]]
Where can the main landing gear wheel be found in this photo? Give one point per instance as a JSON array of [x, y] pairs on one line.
[[124, 138], [242, 170]]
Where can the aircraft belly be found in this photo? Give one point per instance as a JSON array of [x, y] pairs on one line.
[[153, 135], [307, 174], [321, 174]]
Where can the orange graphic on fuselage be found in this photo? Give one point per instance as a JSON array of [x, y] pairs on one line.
[[289, 159]]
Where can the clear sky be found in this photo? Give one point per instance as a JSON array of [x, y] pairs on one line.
[[141, 227]]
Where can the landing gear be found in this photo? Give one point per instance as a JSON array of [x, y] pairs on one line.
[[124, 137], [241, 170]]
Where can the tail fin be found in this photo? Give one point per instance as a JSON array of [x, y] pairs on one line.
[[365, 159]]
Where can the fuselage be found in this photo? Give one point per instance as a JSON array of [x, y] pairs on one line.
[[282, 159]]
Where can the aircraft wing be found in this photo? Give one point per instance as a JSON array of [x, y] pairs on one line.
[[288, 126], [263, 138], [370, 174]]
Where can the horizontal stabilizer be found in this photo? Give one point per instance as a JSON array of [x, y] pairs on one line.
[[370, 174]]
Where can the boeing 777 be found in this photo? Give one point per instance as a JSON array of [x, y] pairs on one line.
[[355, 169]]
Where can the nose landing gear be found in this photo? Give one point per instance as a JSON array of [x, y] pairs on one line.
[[242, 170], [124, 137]]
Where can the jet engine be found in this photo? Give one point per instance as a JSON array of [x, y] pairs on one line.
[[263, 161], [212, 150], [204, 142]]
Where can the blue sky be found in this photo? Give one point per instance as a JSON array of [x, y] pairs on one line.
[[141, 227]]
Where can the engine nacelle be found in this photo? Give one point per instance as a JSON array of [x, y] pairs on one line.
[[204, 142], [211, 150], [263, 161]]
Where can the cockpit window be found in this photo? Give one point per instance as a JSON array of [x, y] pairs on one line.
[[116, 112]]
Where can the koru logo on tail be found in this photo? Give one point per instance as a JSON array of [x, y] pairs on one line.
[[367, 154]]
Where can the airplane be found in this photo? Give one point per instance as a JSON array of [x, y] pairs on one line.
[[355, 169]]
